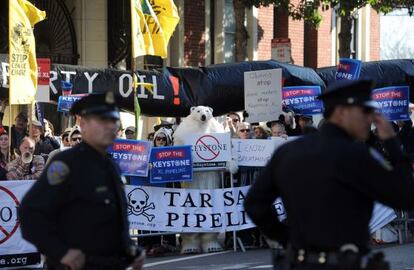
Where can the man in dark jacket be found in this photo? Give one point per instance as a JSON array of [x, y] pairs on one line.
[[75, 213], [329, 201]]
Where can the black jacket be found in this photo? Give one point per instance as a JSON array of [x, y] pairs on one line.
[[78, 202], [328, 183]]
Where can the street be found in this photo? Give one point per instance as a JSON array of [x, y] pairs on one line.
[[400, 256]]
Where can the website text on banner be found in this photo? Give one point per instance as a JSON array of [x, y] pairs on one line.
[[394, 102], [348, 69], [263, 95], [131, 156], [171, 164], [210, 151], [302, 99], [14, 250]]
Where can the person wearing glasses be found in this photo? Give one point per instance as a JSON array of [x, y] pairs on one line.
[[130, 133], [244, 130], [66, 141], [162, 137], [230, 124]]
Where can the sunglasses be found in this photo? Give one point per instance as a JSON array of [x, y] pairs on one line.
[[164, 139], [79, 139], [244, 130], [129, 132], [235, 120]]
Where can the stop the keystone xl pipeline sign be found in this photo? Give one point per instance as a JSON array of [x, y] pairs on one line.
[[210, 151]]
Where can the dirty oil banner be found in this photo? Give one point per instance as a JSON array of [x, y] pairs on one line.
[[175, 90]]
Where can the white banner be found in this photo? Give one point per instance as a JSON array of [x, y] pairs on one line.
[[210, 151], [187, 210], [253, 152], [14, 250], [263, 95]]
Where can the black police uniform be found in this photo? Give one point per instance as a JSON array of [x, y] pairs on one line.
[[328, 183], [79, 203]]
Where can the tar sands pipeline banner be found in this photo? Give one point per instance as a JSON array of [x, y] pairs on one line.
[[15, 253]]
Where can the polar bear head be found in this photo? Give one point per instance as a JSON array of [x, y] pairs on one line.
[[201, 113]]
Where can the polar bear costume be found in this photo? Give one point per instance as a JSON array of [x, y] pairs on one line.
[[200, 120]]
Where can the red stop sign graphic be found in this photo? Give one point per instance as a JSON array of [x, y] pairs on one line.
[[206, 142], [7, 195]]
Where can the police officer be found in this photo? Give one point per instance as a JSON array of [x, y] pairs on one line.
[[329, 201], [75, 213]]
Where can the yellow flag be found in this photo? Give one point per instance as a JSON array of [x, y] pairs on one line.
[[152, 25], [22, 51]]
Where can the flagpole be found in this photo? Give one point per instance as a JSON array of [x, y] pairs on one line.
[[133, 67], [10, 108]]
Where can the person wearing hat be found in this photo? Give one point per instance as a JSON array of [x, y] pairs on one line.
[[43, 145], [329, 201], [65, 137], [73, 137], [130, 133], [76, 213]]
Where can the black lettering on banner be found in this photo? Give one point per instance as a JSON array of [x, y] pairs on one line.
[[15, 260], [215, 220], [243, 217], [186, 220], [240, 198], [205, 200], [229, 219], [172, 193], [171, 217], [188, 200], [200, 218], [6, 214], [228, 198]]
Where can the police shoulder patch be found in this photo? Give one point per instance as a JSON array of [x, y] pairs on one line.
[[57, 172], [380, 159]]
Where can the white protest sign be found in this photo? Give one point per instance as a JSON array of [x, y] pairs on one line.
[[263, 95], [14, 250], [210, 151], [252, 152]]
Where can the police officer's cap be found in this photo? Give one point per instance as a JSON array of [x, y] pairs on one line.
[[103, 105], [349, 92]]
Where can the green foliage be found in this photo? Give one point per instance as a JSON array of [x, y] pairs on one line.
[[310, 10]]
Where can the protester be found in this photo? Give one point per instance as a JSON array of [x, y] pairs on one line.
[[304, 125], [49, 134], [260, 132], [278, 130], [76, 213], [27, 166], [244, 130], [329, 209], [162, 137], [120, 131], [130, 133], [4, 154], [75, 136], [43, 144], [230, 124], [18, 130], [65, 138], [150, 136]]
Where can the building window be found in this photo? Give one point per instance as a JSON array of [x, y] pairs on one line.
[[229, 32]]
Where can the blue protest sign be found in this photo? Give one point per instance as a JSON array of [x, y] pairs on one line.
[[66, 102], [394, 102], [348, 69], [131, 156], [302, 99], [171, 164]]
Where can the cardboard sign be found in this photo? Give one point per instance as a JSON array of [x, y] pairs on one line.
[[394, 102], [252, 152], [263, 95], [348, 69], [210, 151], [65, 102], [171, 164], [14, 250], [43, 78], [131, 156], [303, 99]]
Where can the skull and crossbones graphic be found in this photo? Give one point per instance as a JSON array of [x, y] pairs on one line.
[[138, 203]]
